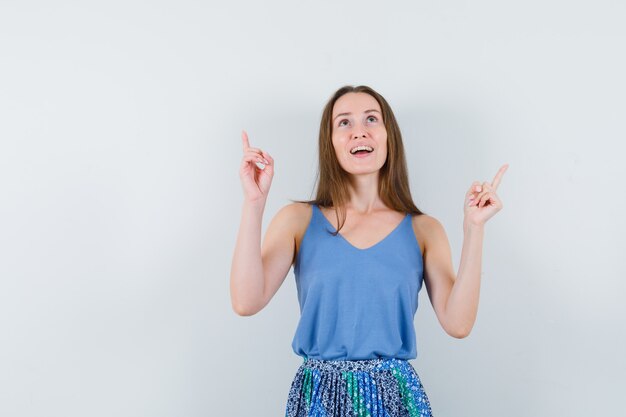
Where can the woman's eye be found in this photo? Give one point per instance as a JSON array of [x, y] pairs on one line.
[[368, 118]]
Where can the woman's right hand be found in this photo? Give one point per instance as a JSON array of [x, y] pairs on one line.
[[255, 181]]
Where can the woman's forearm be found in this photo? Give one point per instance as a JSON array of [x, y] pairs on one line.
[[462, 305], [246, 273]]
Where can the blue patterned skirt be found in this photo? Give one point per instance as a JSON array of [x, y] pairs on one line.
[[371, 388]]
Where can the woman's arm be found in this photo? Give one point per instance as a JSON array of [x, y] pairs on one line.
[[257, 273], [246, 272], [462, 306], [455, 299], [246, 275]]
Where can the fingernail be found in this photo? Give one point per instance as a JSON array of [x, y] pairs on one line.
[[477, 188]]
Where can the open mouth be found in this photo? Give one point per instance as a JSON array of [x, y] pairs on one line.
[[361, 151]]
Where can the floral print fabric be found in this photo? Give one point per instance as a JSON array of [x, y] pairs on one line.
[[384, 387]]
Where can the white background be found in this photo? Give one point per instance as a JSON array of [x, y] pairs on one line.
[[120, 198]]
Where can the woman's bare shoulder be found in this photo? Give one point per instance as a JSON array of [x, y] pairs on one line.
[[424, 226], [296, 210], [425, 220], [294, 219], [295, 216]]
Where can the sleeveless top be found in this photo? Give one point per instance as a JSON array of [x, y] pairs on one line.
[[356, 303]]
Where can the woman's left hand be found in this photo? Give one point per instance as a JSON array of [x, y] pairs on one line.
[[481, 201]]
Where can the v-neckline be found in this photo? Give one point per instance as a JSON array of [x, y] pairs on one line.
[[369, 247]]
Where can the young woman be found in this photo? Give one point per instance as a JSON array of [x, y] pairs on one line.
[[360, 252]]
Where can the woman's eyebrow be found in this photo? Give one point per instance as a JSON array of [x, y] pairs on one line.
[[347, 114]]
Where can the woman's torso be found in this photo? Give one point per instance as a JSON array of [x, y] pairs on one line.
[[357, 291]]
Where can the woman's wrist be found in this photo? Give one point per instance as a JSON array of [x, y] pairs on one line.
[[469, 227]]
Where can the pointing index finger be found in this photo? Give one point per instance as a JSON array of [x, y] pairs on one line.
[[498, 177], [244, 139], [496, 180]]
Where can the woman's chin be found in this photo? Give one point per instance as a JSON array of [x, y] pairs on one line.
[[362, 171]]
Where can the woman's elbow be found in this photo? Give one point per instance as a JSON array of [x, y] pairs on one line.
[[459, 332], [241, 310], [245, 310]]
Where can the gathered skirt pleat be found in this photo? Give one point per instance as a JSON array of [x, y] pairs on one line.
[[384, 387]]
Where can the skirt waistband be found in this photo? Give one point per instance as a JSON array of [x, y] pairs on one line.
[[365, 365]]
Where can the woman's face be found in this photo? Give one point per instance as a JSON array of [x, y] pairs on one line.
[[357, 121]]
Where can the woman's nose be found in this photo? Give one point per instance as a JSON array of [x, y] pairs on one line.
[[358, 133]]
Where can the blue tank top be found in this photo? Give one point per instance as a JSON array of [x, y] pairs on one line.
[[357, 303]]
